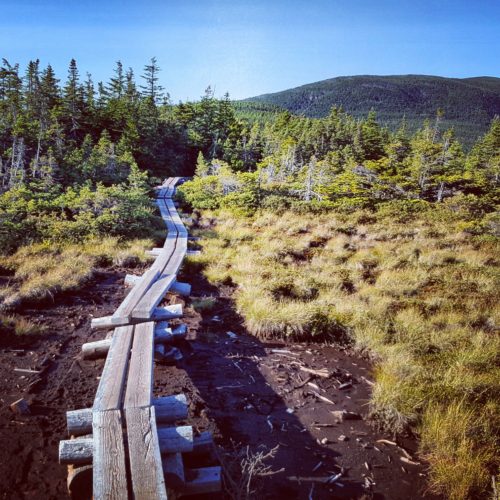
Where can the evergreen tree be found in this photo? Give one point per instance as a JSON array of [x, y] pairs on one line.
[[152, 89], [73, 101]]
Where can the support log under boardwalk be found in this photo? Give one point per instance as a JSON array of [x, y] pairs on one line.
[[130, 438], [80, 451], [168, 410], [159, 314], [163, 335]]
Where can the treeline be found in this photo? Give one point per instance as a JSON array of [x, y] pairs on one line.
[[341, 162], [74, 154], [61, 141]]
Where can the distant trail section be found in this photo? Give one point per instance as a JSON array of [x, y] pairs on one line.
[[129, 438]]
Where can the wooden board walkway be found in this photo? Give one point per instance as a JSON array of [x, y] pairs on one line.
[[128, 435]]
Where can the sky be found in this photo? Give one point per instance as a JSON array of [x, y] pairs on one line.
[[248, 48]]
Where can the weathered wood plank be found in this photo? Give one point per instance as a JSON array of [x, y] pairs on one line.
[[76, 451], [110, 390], [140, 376], [168, 410], [146, 306], [109, 474], [160, 314], [140, 288], [145, 460]]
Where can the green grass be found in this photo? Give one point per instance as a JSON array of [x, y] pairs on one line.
[[420, 298], [41, 271], [19, 326]]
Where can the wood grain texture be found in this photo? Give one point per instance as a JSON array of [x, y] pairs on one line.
[[144, 452], [168, 409], [140, 376], [110, 390], [146, 306], [109, 476], [76, 451]]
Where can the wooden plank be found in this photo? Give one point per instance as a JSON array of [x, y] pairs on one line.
[[140, 376], [110, 390], [144, 452], [146, 306], [109, 467], [168, 410], [140, 288], [160, 314]]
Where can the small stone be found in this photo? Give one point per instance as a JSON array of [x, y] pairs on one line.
[[343, 438], [324, 441]]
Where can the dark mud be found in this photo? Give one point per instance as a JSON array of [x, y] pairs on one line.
[[252, 395]]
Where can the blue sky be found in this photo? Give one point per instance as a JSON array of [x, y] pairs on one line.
[[252, 47]]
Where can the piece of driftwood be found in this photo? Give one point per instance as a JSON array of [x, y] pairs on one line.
[[323, 372], [27, 371]]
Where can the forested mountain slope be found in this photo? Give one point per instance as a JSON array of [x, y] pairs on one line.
[[468, 104]]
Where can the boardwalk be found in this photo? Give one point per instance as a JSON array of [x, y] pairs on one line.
[[129, 437]]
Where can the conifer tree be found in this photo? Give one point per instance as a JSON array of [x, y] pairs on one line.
[[152, 89]]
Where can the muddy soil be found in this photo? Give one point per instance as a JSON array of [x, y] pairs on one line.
[[254, 396]]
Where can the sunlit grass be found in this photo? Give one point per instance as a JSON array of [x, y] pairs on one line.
[[421, 300], [43, 270]]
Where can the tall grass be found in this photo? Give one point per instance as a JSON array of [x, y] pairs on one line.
[[421, 299], [41, 271]]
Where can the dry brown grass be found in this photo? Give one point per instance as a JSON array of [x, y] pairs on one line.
[[420, 298], [41, 271]]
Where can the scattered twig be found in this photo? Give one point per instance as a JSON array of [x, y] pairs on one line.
[[326, 400], [386, 441], [28, 371], [408, 461], [323, 372]]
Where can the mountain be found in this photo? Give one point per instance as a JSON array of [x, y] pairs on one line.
[[469, 104]]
